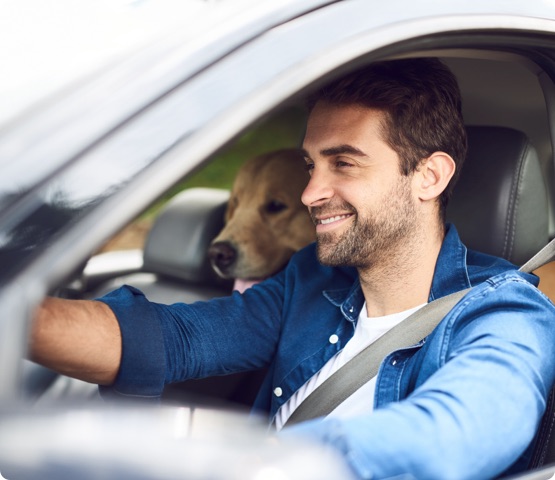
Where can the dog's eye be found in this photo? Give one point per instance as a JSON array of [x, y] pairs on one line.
[[275, 206]]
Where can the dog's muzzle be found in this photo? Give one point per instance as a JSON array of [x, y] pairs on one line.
[[222, 255]]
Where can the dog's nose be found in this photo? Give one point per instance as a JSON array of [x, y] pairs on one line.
[[222, 254]]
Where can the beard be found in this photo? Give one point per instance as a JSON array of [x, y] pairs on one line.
[[372, 237]]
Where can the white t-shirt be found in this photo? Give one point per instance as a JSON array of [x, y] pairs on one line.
[[367, 331]]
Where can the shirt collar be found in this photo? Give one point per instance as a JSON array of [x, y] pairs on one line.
[[451, 273], [349, 300]]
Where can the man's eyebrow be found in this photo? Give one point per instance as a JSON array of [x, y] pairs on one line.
[[344, 149]]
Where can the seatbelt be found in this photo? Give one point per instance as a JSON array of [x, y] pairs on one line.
[[364, 366]]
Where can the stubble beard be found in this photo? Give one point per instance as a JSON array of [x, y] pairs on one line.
[[372, 238]]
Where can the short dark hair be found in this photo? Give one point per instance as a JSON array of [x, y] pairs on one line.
[[422, 102]]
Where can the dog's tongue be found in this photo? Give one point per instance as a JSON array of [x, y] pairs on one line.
[[242, 284]]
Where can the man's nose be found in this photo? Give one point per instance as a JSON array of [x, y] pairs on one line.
[[318, 190]]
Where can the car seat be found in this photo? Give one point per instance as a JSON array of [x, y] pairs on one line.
[[175, 265], [500, 206]]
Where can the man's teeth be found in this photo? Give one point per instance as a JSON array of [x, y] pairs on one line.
[[325, 221]]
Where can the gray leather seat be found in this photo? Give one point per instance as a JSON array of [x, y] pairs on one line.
[[500, 204], [175, 265]]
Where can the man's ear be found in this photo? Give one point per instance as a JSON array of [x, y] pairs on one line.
[[433, 175]]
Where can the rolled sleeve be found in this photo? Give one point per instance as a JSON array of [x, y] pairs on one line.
[[142, 368]]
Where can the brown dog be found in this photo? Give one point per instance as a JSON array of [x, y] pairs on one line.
[[265, 220]]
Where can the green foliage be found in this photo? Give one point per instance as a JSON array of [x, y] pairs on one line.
[[282, 130]]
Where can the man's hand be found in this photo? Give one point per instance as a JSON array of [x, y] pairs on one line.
[[78, 338]]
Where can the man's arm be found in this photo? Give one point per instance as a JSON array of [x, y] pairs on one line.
[[78, 338], [488, 369]]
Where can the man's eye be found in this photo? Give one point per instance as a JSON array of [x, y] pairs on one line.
[[275, 206], [341, 163], [309, 167]]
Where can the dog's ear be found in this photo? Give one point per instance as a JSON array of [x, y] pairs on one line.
[[231, 206]]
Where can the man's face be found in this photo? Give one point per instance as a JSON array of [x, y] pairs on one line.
[[361, 204]]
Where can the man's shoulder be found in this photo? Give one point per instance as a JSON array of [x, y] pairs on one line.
[[481, 267], [506, 305], [512, 280], [510, 290]]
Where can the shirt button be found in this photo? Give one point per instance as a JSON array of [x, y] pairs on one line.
[[278, 392], [333, 339], [394, 361]]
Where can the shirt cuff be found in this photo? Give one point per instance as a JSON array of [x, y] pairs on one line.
[[142, 369]]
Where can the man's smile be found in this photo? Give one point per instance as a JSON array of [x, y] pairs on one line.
[[325, 221], [329, 222]]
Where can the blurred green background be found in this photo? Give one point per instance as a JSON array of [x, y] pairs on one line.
[[284, 129]]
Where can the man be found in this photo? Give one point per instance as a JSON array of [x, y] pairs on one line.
[[383, 146]]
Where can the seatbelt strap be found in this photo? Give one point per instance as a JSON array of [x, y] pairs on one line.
[[364, 366], [545, 255]]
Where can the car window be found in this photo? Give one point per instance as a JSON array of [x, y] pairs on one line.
[[283, 129]]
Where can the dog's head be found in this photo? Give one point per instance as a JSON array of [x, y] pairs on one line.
[[265, 220]]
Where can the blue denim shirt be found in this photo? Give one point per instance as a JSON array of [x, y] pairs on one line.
[[463, 403]]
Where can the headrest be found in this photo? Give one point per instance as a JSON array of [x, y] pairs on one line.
[[179, 239], [499, 204]]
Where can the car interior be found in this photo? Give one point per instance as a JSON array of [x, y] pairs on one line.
[[503, 205]]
